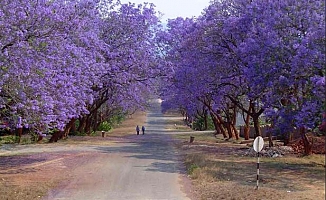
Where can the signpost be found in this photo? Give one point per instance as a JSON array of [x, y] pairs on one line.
[[258, 146]]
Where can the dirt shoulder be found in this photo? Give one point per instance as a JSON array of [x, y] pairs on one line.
[[218, 170], [29, 172], [221, 169], [225, 170]]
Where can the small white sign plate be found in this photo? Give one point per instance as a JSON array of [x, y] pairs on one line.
[[258, 144]]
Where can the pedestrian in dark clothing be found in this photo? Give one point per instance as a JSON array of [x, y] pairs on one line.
[[143, 129], [137, 129]]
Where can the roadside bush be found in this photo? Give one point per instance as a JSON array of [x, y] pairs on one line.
[[117, 119], [191, 168], [105, 126], [10, 139], [34, 137], [199, 124], [109, 124], [25, 140]]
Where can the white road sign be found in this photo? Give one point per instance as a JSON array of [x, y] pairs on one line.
[[258, 144]]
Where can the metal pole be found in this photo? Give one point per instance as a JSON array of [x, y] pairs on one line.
[[257, 171]]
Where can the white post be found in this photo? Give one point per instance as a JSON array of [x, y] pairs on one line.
[[258, 146], [257, 171]]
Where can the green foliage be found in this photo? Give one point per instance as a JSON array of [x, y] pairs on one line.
[[34, 137], [77, 133], [10, 139], [191, 168], [117, 119], [109, 124], [105, 126], [93, 133], [199, 124], [77, 122], [25, 140]]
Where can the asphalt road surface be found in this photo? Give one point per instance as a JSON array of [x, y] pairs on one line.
[[145, 167]]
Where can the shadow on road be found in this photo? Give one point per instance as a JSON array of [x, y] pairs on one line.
[[157, 148]]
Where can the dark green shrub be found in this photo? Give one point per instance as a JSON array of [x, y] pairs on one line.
[[105, 126]]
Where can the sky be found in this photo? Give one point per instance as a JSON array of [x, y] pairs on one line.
[[175, 8]]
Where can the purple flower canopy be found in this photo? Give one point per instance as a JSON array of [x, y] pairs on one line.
[[241, 51], [60, 59]]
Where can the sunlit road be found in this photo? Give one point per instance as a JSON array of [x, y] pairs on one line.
[[145, 168]]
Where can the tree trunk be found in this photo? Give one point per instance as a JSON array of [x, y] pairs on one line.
[[215, 123], [82, 124], [227, 125], [88, 125], [68, 127], [255, 115], [234, 122], [270, 139], [19, 134], [286, 139], [73, 127], [95, 120], [255, 119], [56, 136], [235, 131], [205, 121], [219, 123], [246, 130], [306, 144], [39, 138]]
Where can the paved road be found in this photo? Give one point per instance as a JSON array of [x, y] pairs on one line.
[[146, 167]]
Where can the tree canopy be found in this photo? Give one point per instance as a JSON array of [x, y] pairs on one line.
[[262, 57], [82, 59], [61, 60]]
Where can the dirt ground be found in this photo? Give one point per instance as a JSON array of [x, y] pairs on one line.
[[221, 169], [216, 170], [222, 172], [32, 172]]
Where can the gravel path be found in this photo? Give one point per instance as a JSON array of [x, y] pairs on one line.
[[142, 167]]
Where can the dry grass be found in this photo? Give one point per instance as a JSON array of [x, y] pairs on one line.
[[206, 137], [219, 172], [175, 122], [235, 178]]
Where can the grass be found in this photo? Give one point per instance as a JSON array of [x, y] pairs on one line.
[[216, 170], [9, 139], [199, 136]]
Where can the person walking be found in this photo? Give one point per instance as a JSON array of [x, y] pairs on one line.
[[137, 129], [143, 129]]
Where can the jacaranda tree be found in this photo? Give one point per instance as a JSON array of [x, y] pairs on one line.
[[63, 60], [263, 57]]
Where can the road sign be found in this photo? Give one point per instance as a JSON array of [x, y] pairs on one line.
[[258, 144]]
